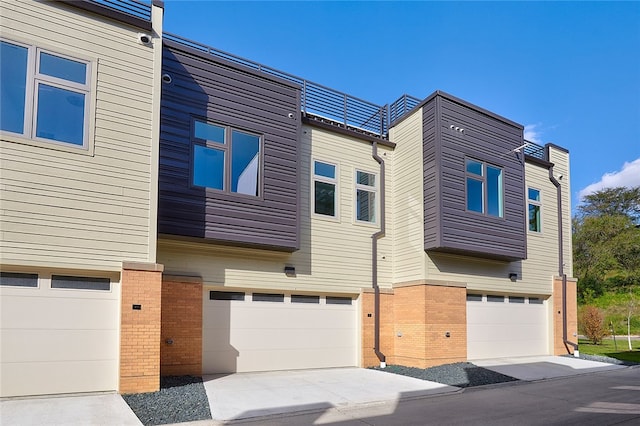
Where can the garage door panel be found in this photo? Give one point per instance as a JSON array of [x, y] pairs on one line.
[[261, 336], [62, 345], [41, 378], [497, 330]]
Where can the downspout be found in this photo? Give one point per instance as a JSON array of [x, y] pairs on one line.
[[374, 261], [565, 339]]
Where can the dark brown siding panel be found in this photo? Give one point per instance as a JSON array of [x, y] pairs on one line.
[[230, 94], [485, 138]]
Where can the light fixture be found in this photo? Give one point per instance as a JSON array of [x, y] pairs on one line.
[[513, 276], [290, 271]]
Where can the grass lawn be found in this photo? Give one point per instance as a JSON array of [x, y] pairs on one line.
[[607, 348]]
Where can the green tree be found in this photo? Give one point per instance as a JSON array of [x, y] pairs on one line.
[[618, 201]]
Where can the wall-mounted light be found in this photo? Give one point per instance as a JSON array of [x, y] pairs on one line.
[[290, 271], [513, 276], [145, 39]]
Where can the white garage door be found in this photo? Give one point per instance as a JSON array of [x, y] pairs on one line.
[[499, 326], [57, 340], [264, 331]]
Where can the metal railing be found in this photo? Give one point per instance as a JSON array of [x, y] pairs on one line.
[[534, 150], [136, 8], [317, 101], [401, 106]]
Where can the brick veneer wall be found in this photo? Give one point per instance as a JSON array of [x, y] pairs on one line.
[[559, 348], [182, 326], [413, 325], [140, 329], [369, 357]]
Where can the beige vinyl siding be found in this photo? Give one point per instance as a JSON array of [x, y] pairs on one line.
[[64, 208], [561, 162], [334, 254], [407, 187]]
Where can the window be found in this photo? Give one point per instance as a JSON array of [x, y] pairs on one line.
[[335, 300], [516, 299], [497, 299], [324, 188], [365, 196], [226, 295], [45, 98], [80, 283], [15, 279], [484, 188], [533, 197], [226, 159], [535, 301], [300, 298], [474, 297], [268, 297]]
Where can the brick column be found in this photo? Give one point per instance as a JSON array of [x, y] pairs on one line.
[[369, 357], [559, 347], [140, 327], [181, 335]]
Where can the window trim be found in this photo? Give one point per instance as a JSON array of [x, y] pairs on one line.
[[334, 181], [373, 189], [534, 203], [483, 179], [28, 137], [227, 148]]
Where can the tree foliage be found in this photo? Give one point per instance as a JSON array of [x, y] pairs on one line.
[[592, 324], [606, 242]]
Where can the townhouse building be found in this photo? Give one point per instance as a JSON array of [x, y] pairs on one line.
[[214, 215]]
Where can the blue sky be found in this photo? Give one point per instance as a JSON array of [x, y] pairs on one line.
[[568, 71]]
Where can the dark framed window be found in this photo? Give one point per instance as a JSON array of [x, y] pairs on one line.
[[496, 299], [45, 95], [474, 298], [325, 185], [535, 301], [80, 283], [226, 158], [301, 298], [535, 205], [16, 279], [226, 295], [335, 300], [268, 297], [516, 299], [485, 188]]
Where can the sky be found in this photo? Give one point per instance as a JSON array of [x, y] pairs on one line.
[[567, 71]]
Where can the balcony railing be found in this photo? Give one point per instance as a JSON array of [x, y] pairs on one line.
[[317, 101], [401, 106], [138, 9], [536, 151]]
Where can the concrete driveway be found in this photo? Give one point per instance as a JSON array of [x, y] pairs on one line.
[[544, 367]]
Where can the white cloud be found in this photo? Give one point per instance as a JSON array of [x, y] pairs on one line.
[[532, 134], [628, 177]]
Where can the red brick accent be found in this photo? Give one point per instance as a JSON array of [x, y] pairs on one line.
[[140, 329], [182, 325], [414, 323], [559, 347], [369, 357]]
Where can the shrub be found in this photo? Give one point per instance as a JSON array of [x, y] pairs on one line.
[[593, 324]]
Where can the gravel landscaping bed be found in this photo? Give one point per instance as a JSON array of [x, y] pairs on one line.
[[603, 358], [461, 374], [180, 399]]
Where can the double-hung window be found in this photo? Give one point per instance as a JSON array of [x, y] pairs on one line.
[[45, 95], [366, 191], [324, 188], [226, 159], [485, 192], [534, 202]]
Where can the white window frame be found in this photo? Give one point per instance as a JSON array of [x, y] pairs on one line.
[[324, 179], [535, 203], [34, 79], [367, 188]]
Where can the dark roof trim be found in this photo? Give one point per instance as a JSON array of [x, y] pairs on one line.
[[181, 47], [554, 146], [538, 162], [347, 132], [109, 13], [462, 102]]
